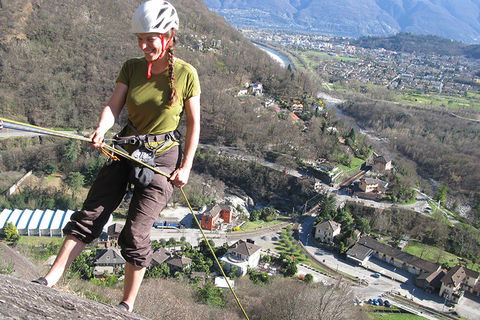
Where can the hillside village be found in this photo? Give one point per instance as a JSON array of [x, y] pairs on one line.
[[177, 258], [453, 75]]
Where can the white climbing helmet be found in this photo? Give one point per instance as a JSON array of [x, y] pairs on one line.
[[157, 16]]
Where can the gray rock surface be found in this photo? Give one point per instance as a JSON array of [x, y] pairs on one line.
[[20, 299]]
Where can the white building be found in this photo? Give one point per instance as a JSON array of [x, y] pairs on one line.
[[242, 255], [42, 223], [326, 230]]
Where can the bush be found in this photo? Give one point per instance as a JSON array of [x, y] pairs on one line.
[[10, 233], [211, 295]]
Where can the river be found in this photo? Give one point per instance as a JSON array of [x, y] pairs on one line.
[[279, 57]]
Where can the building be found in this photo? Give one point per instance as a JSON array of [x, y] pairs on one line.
[[113, 231], [458, 280], [382, 164], [369, 185], [160, 256], [326, 230], [430, 281], [43, 223], [399, 259], [257, 89], [221, 282], [215, 216], [242, 255], [359, 254], [177, 263], [108, 261]]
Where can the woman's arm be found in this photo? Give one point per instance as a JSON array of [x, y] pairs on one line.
[[180, 176], [109, 114]]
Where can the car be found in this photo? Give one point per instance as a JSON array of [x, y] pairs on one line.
[[380, 302], [387, 303], [376, 275], [370, 301]]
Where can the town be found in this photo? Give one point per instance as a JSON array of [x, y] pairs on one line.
[[448, 75]]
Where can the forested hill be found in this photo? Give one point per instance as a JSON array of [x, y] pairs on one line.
[[420, 44], [60, 59]]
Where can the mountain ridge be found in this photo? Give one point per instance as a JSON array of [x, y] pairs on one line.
[[458, 20]]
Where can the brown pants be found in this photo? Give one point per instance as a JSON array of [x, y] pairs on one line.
[[146, 204]]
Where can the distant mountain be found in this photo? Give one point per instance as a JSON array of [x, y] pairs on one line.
[[454, 19]]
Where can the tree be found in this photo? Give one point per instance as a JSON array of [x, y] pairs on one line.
[[363, 225], [72, 150], [74, 182], [441, 195], [83, 265], [160, 271], [211, 295], [11, 233], [328, 208], [255, 215]]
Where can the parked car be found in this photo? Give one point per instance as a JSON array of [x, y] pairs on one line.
[[380, 302], [387, 303], [376, 275]]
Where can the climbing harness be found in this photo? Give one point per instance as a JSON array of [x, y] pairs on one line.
[[113, 153], [146, 148]]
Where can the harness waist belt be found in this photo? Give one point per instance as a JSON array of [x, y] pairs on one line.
[[146, 138]]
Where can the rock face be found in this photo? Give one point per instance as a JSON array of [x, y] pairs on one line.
[[21, 267], [20, 299]]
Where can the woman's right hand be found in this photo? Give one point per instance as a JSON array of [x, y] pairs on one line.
[[97, 138]]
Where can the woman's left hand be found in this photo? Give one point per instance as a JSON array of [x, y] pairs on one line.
[[179, 177]]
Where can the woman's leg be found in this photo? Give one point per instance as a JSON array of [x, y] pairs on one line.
[[145, 206], [133, 280], [70, 249], [85, 225]]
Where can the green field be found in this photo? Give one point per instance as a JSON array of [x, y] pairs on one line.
[[254, 225], [350, 170], [436, 255], [472, 100]]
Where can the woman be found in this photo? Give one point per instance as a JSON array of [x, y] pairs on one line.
[[156, 88]]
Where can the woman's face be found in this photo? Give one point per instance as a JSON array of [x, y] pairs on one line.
[[154, 45]]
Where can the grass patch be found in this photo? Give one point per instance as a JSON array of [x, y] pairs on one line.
[[259, 224], [436, 255], [472, 100], [354, 167], [409, 202], [39, 248]]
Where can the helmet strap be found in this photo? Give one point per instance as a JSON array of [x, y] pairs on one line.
[[165, 46]]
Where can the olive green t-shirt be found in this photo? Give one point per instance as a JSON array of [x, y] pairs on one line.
[[147, 99]]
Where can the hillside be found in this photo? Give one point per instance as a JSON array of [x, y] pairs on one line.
[[452, 19], [60, 70]]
